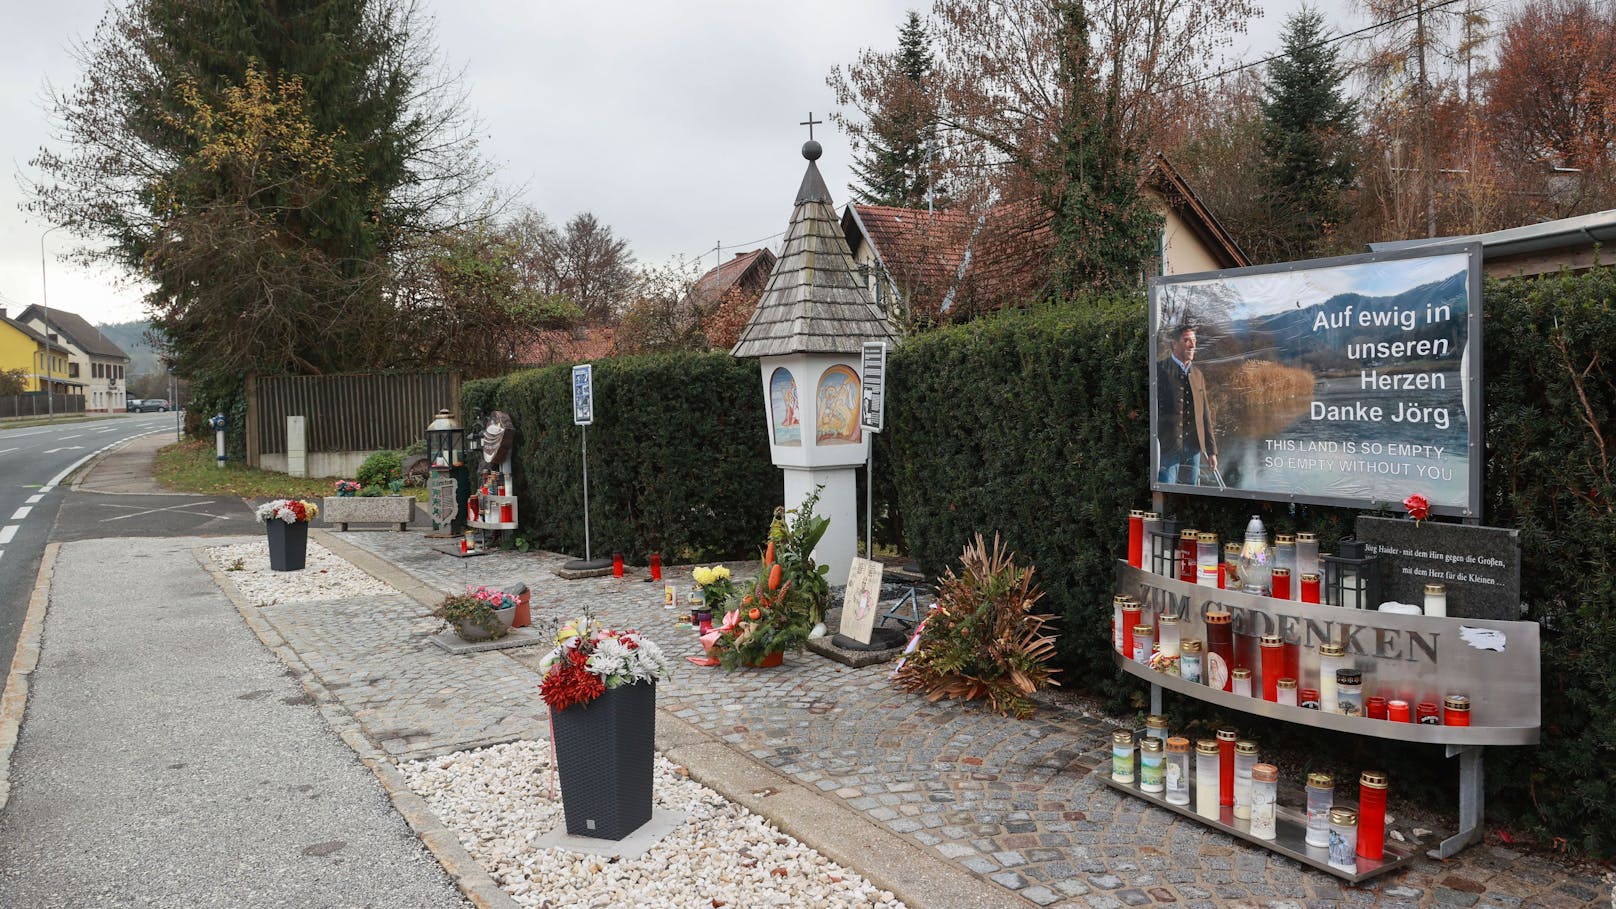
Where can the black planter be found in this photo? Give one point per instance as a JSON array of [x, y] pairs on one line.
[[288, 544], [603, 751]]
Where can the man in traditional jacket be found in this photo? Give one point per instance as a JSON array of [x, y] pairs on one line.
[[1183, 413]]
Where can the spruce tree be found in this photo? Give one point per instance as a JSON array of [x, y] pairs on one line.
[[894, 170], [1308, 139], [1104, 229]]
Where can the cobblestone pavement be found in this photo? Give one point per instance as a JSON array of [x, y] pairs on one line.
[[1009, 800]]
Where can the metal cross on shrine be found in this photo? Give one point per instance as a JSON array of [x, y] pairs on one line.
[[811, 123]]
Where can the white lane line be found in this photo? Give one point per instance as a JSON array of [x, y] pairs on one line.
[[6, 450], [6, 533], [34, 499], [19, 435], [22, 512]]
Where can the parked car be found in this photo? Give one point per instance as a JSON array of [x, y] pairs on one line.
[[148, 405]]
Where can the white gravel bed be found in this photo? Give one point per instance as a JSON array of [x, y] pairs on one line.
[[324, 576], [497, 800]]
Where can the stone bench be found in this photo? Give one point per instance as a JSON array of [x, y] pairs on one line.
[[345, 510]]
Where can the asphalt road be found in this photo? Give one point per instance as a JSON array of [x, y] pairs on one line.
[[33, 461]]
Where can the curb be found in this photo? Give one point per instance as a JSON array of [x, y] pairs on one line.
[[14, 702], [82, 470], [469, 876]]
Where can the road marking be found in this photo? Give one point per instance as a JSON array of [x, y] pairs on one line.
[[19, 435], [6, 533], [67, 438], [34, 499], [180, 509], [5, 450], [22, 512], [68, 448]]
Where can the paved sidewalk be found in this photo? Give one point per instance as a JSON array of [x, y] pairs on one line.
[[167, 759], [1009, 801]]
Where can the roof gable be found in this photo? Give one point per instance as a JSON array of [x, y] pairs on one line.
[[75, 329]]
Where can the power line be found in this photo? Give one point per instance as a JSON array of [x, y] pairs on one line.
[[1317, 44]]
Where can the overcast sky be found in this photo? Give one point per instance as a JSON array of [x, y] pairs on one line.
[[675, 123]]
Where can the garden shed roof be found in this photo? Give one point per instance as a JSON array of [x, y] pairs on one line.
[[815, 301]]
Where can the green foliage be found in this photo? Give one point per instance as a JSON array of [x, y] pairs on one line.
[[678, 455], [1104, 228], [13, 381], [778, 615], [794, 547], [1307, 139], [1551, 422], [894, 168], [371, 492], [380, 470], [984, 640]]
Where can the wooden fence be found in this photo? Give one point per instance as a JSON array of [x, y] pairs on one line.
[[352, 413], [35, 405]]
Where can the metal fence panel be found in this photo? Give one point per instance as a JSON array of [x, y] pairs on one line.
[[351, 412]]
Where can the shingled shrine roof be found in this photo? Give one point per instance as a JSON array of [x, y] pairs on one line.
[[815, 301]]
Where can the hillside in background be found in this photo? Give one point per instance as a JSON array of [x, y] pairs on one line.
[[131, 336]]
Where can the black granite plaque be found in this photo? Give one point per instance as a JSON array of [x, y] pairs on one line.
[[1481, 566]]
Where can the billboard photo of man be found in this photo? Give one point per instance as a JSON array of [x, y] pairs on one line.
[[1185, 429]]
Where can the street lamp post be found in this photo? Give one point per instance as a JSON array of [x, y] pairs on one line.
[[44, 298]]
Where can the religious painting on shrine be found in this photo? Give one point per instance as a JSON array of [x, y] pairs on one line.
[[784, 414], [838, 407]]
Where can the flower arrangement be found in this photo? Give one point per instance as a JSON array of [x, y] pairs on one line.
[[716, 587], [291, 511], [773, 618], [589, 659], [465, 611], [347, 488], [1418, 507], [496, 599]]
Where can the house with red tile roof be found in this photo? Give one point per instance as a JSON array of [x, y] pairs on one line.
[[921, 265], [580, 344], [723, 299]]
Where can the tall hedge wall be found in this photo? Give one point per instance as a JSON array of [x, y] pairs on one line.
[[1034, 424], [678, 456]]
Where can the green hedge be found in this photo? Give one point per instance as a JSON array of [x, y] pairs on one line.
[[678, 456], [1034, 425]]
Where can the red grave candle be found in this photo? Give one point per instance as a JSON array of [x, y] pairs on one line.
[[1310, 588], [1372, 814], [505, 515], [617, 564], [656, 566], [1189, 549], [1222, 575], [1136, 538], [1426, 712], [1456, 710], [1131, 612], [1273, 665], [1397, 712], [1377, 710], [1226, 741], [1280, 584]]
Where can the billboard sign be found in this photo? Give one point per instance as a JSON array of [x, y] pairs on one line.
[[1353, 381]]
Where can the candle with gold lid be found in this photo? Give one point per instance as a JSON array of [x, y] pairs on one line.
[[1285, 692], [1436, 599], [1240, 681]]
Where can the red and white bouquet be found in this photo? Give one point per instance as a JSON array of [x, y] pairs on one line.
[[589, 659], [291, 511]]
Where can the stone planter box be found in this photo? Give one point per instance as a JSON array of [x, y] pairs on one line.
[[345, 510]]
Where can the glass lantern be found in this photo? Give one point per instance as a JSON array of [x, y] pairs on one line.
[[445, 440], [1352, 577], [1164, 547]]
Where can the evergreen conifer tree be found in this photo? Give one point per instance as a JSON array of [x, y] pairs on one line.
[[894, 170], [1308, 139], [1104, 229]]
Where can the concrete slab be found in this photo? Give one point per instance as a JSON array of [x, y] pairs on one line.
[[579, 574], [516, 637], [632, 846]]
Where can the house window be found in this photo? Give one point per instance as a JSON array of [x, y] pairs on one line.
[[72, 370]]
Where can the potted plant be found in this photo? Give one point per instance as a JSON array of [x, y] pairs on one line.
[[355, 503], [472, 618], [716, 591], [503, 602], [347, 488], [600, 685], [287, 523]]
